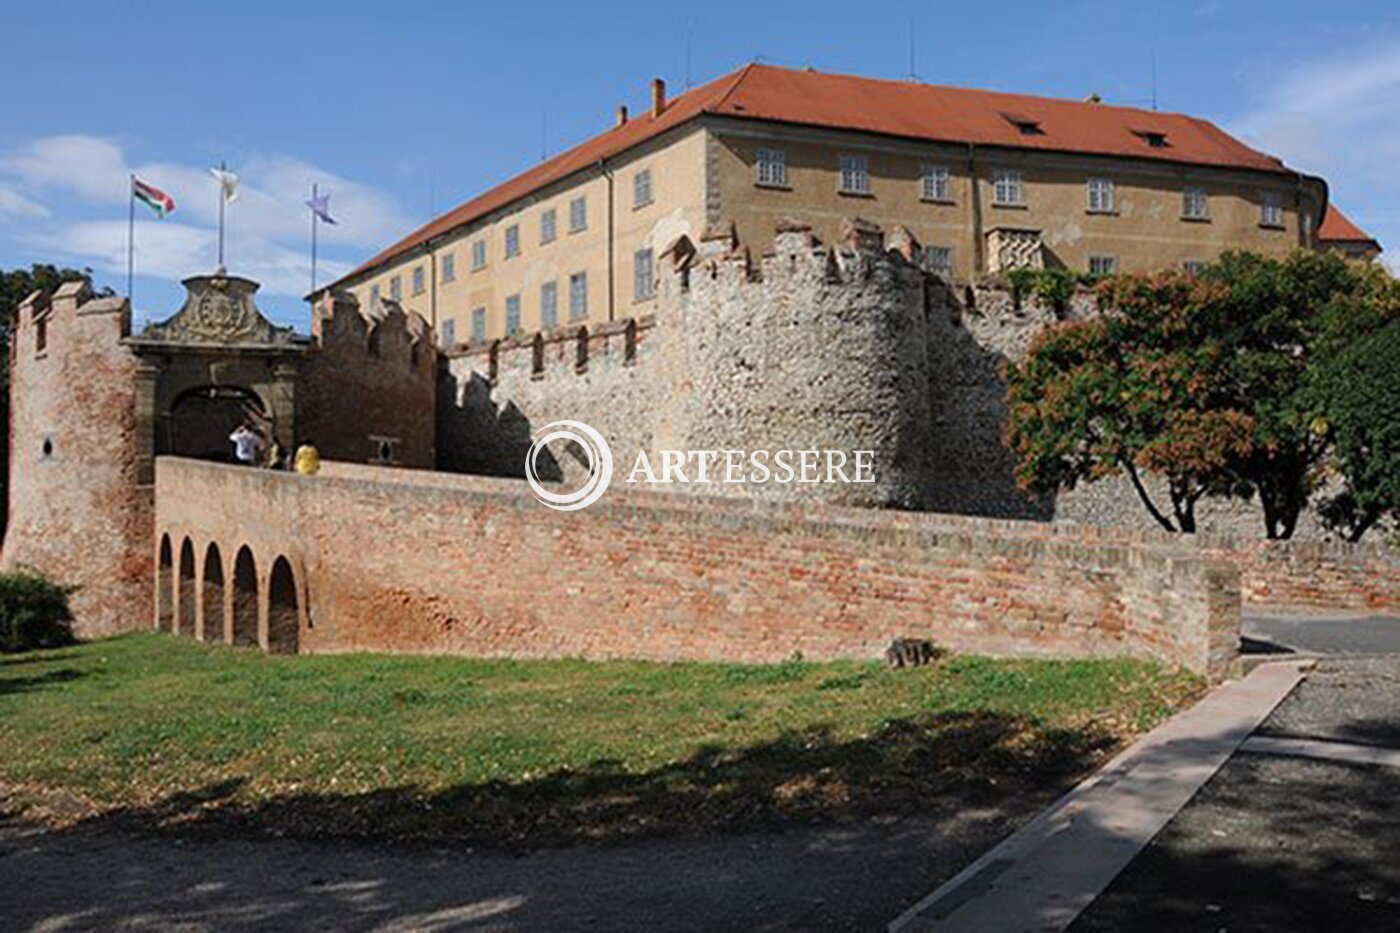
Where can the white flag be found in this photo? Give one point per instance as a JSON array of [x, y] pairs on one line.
[[228, 183]]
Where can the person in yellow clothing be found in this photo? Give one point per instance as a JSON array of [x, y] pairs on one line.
[[308, 461]]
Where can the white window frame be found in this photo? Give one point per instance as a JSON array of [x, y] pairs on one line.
[[1271, 209], [578, 214], [935, 183], [854, 177], [1102, 260], [448, 266], [1195, 204], [1100, 195], [478, 324], [396, 288], [549, 305], [770, 168], [641, 188], [549, 226], [512, 241], [419, 280], [578, 296], [479, 254], [1008, 188], [449, 333], [643, 275]]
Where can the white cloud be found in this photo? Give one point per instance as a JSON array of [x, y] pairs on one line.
[[267, 228], [17, 205], [1339, 117]]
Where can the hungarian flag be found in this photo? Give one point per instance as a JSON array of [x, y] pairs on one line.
[[152, 197]]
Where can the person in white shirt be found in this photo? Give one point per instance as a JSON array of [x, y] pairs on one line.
[[247, 445]]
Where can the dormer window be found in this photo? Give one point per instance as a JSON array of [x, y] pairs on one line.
[[1155, 139], [1026, 126]]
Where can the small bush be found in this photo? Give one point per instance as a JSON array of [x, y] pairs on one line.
[[34, 612]]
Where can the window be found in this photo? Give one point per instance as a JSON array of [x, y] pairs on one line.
[[1103, 265], [449, 333], [643, 277], [374, 293], [1194, 204], [1271, 210], [770, 168], [512, 240], [1006, 187], [549, 305], [855, 175], [1156, 139], [641, 188], [578, 215], [479, 254], [934, 184], [939, 260], [449, 267], [1026, 126], [1100, 195], [418, 280], [41, 334], [512, 315], [395, 288], [578, 296], [548, 222], [478, 325], [1193, 266]]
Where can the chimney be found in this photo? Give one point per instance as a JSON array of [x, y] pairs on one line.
[[658, 97], [621, 114]]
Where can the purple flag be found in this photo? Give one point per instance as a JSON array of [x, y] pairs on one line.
[[320, 205]]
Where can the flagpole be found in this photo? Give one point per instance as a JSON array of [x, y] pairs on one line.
[[222, 168], [130, 234], [313, 242]]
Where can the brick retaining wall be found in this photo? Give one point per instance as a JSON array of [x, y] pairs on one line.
[[414, 561]]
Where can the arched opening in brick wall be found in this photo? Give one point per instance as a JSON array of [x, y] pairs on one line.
[[184, 604], [283, 625], [213, 583], [165, 597], [245, 599], [201, 420]]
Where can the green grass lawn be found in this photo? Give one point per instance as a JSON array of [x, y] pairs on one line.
[[161, 731]]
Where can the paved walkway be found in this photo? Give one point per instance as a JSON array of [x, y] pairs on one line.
[[1273, 805]]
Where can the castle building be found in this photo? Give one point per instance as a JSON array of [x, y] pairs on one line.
[[1337, 232], [986, 181]]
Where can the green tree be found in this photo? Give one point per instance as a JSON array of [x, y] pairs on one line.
[[1202, 382], [1135, 391], [1357, 403]]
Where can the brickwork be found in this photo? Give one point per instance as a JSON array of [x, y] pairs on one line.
[[77, 511], [475, 565], [370, 391]]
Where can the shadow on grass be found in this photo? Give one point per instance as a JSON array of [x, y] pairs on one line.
[[907, 768], [40, 682]]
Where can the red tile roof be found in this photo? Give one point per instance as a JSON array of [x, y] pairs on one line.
[[891, 108], [1336, 227]]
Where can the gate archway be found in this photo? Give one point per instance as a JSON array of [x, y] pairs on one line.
[[202, 418]]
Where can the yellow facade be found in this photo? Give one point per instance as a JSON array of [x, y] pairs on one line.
[[704, 173]]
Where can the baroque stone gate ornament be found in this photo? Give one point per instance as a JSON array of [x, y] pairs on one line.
[[218, 309]]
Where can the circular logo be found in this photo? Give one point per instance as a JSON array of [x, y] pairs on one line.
[[599, 464]]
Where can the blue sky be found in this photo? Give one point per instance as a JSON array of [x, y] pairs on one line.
[[402, 109]]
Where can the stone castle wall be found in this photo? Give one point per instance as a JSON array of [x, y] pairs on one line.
[[475, 565], [807, 346], [78, 512]]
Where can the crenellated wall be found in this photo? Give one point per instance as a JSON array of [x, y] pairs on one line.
[[77, 509]]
